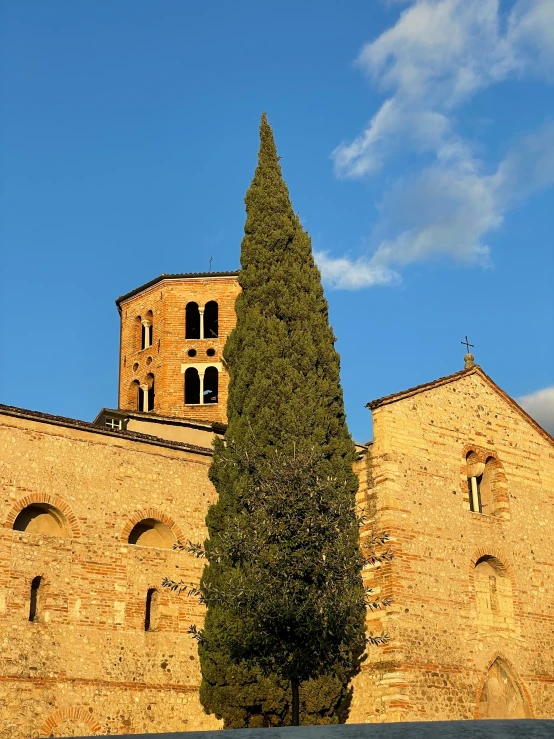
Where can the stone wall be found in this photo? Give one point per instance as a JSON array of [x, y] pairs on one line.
[[472, 618], [86, 665], [472, 613]]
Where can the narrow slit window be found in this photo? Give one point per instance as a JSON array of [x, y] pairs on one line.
[[150, 394], [474, 484], [151, 613], [35, 599]]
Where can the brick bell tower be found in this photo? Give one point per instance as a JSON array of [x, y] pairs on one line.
[[173, 330]]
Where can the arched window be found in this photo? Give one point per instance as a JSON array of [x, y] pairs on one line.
[[34, 603], [134, 397], [483, 485], [493, 594], [141, 405], [192, 321], [41, 518], [211, 311], [150, 393], [192, 386], [152, 533], [210, 385], [501, 696], [147, 330], [151, 615]]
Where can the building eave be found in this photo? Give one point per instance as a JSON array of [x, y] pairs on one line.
[[169, 277], [78, 425]]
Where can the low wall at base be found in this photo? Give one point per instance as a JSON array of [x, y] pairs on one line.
[[513, 729]]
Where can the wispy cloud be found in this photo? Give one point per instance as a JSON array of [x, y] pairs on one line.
[[540, 406], [437, 55]]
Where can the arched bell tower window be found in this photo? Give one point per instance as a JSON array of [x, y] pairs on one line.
[[147, 330], [149, 393], [211, 328], [134, 400], [210, 385], [192, 386], [192, 321]]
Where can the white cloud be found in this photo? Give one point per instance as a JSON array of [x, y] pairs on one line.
[[438, 54], [540, 406], [352, 275]]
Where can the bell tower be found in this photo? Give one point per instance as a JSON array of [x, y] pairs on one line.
[[173, 330]]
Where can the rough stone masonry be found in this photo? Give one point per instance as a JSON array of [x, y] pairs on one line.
[[458, 474]]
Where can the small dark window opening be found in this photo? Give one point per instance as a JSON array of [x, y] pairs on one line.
[[140, 399], [210, 385], [150, 398], [192, 321], [143, 336], [149, 616], [211, 320], [33, 607], [150, 333], [192, 386], [191, 352], [211, 352]]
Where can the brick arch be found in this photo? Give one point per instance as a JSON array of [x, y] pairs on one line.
[[492, 551], [54, 501], [500, 486], [483, 677], [150, 513], [73, 714]]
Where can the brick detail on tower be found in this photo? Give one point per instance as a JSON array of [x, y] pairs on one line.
[[164, 362]]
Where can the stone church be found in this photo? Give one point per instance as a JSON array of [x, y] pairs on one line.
[[460, 477]]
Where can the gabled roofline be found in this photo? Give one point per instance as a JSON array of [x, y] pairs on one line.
[[385, 400], [74, 423], [161, 278]]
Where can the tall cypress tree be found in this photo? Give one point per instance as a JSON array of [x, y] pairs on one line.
[[282, 586]]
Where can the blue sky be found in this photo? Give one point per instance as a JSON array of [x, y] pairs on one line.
[[417, 140]]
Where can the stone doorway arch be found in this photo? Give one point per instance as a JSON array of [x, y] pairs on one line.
[[502, 695]]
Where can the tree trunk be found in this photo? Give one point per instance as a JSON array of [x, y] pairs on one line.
[[295, 686]]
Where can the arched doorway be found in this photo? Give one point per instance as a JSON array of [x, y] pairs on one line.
[[502, 696]]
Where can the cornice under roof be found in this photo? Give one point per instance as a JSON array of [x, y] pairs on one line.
[[92, 428], [182, 276]]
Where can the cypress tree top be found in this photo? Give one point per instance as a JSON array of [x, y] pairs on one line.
[[283, 582], [281, 355]]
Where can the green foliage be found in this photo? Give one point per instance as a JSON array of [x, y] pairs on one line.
[[282, 585]]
